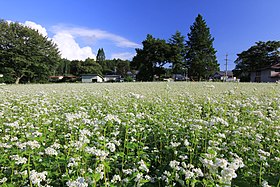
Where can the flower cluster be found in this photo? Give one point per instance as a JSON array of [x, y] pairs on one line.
[[140, 134]]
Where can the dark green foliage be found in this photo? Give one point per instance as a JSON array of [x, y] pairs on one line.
[[64, 67], [119, 67], [90, 67], [154, 55], [258, 56], [100, 58], [24, 53], [178, 53], [78, 67], [201, 55]]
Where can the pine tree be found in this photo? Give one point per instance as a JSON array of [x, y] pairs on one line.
[[100, 59], [100, 56], [178, 53], [201, 55]]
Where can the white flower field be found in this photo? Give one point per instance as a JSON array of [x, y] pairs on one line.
[[140, 134]]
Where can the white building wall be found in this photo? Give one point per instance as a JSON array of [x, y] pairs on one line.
[[90, 78]]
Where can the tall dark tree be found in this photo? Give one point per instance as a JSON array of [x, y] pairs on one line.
[[258, 56], [201, 55], [178, 53], [100, 58], [151, 59], [26, 53]]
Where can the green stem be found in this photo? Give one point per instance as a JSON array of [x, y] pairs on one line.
[[260, 176], [28, 169], [104, 147]]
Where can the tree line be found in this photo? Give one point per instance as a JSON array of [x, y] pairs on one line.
[[100, 66], [27, 56]]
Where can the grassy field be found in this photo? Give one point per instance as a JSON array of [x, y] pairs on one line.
[[140, 134]]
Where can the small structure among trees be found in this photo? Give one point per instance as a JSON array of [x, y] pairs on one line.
[[258, 60], [266, 74], [90, 78]]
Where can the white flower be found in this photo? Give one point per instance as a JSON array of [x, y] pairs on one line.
[[116, 178], [175, 144], [18, 159], [198, 172], [174, 165], [138, 177], [186, 142], [3, 180], [228, 174], [136, 96], [265, 184], [143, 166], [79, 182], [188, 174], [37, 177], [222, 163], [113, 118], [51, 151], [56, 145], [111, 146], [33, 144], [85, 132], [72, 162], [127, 171]]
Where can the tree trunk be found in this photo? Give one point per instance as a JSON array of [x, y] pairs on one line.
[[18, 79]]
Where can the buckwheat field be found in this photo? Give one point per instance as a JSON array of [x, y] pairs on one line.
[[140, 134]]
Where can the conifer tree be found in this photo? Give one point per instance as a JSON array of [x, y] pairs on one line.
[[201, 55], [100, 59], [178, 53]]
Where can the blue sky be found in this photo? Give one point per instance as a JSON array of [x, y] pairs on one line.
[[81, 27]]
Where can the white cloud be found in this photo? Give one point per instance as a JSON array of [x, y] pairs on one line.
[[123, 56], [67, 39], [37, 27], [66, 43], [96, 34], [70, 49]]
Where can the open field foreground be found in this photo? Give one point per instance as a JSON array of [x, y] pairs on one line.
[[140, 134]]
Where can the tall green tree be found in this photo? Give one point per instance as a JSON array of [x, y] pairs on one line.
[[151, 59], [122, 67], [201, 55], [258, 56], [178, 53], [24, 53], [101, 58], [89, 66]]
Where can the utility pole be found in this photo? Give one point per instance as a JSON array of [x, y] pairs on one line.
[[226, 65]]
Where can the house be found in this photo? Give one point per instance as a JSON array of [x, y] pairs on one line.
[[266, 74], [89, 78], [221, 75], [131, 75], [179, 77], [61, 78], [113, 78]]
